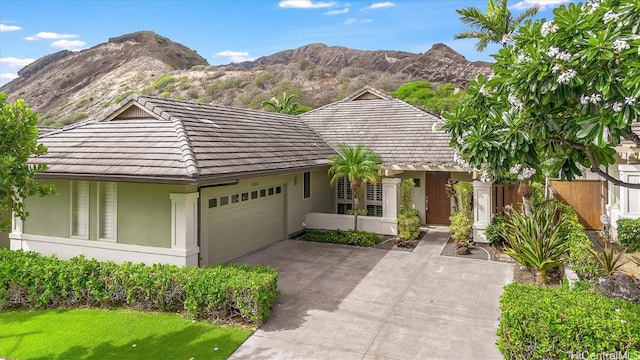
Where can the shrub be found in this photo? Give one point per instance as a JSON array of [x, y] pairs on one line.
[[545, 323], [223, 293], [409, 224], [348, 237], [494, 230], [406, 196], [608, 260], [462, 222], [536, 241], [578, 244], [629, 233]]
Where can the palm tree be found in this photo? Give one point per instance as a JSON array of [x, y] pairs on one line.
[[496, 25], [286, 106], [359, 166]]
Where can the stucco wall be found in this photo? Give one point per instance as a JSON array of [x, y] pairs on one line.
[[144, 212], [50, 215]]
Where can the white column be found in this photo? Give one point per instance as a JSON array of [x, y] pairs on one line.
[[184, 225], [629, 198], [482, 202], [15, 236], [390, 204]]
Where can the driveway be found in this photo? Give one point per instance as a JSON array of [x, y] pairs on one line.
[[342, 302]]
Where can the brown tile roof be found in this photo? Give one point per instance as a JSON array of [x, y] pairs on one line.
[[162, 140], [401, 133]]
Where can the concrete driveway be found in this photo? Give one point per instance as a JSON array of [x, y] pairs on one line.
[[341, 302]]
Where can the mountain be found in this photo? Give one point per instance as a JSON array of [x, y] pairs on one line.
[[69, 86]]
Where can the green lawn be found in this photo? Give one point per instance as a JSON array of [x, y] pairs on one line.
[[113, 334]]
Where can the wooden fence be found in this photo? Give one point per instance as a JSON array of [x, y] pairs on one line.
[[587, 197]]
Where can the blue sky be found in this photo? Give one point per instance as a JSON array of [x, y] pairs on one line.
[[231, 31]]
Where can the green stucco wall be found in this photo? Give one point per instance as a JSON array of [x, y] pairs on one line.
[[144, 212], [50, 215]]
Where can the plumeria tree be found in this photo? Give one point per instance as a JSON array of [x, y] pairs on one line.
[[564, 94]]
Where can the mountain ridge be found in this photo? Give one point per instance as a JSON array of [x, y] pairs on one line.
[[66, 86]]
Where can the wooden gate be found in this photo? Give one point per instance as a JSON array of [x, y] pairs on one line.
[[504, 195], [587, 197]]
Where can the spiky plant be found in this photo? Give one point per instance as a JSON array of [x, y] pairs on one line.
[[609, 261]]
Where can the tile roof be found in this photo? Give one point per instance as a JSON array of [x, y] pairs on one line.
[[162, 140], [401, 133]]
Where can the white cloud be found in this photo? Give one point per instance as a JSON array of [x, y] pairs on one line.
[[50, 36], [306, 4], [357, 21], [16, 63], [380, 5], [337, 12], [8, 77], [525, 4], [235, 56], [4, 28], [68, 44]]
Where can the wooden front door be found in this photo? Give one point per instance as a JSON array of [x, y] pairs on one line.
[[437, 204]]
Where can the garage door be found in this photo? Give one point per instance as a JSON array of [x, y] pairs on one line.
[[238, 223]]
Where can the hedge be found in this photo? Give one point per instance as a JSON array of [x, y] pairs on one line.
[[223, 293], [629, 233], [546, 323], [582, 262], [344, 237]]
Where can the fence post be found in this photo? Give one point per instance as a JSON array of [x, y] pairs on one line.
[[482, 203]]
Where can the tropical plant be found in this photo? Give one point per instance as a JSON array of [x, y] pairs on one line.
[[561, 98], [493, 232], [284, 106], [462, 220], [18, 142], [609, 261], [496, 25], [536, 241], [424, 95], [408, 219], [359, 165]]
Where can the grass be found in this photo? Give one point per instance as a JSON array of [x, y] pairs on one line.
[[113, 334]]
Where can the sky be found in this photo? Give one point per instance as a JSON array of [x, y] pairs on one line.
[[226, 31]]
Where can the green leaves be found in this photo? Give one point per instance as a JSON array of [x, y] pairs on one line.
[[18, 142]]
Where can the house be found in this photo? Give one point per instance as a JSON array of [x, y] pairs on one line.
[[159, 180], [408, 140], [624, 203]]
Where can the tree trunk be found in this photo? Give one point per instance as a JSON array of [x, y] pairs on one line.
[[355, 212], [541, 277]]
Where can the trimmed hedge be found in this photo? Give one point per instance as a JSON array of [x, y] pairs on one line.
[[629, 233], [348, 237], [581, 260], [223, 293], [545, 323], [409, 224]]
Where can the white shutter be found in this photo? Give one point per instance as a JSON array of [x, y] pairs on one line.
[[108, 211], [80, 209]]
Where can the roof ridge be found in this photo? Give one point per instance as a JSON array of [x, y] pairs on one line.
[[188, 157]]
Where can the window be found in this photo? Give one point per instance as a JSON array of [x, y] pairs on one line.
[[372, 201], [343, 195], [80, 209], [224, 200], [235, 198], [270, 191], [213, 203], [278, 189], [306, 185], [245, 196], [263, 192], [108, 211], [254, 194]]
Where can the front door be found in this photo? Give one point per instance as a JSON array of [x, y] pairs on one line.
[[437, 203]]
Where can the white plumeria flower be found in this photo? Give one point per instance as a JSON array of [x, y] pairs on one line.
[[553, 51], [596, 98], [548, 28], [630, 100], [515, 169], [564, 56], [610, 16], [620, 45], [617, 106], [555, 68], [483, 91], [593, 5], [585, 99], [566, 76]]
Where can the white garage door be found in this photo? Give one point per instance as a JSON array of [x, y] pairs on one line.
[[238, 223]]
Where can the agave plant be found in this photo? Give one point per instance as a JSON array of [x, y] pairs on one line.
[[535, 241], [608, 260]]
